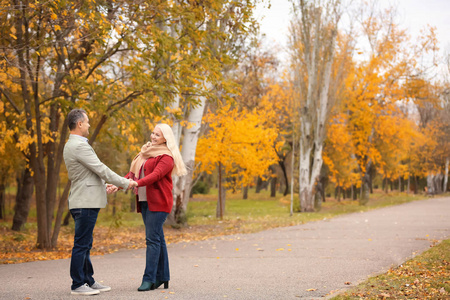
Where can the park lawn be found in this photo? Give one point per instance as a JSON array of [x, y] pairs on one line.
[[124, 229], [427, 276]]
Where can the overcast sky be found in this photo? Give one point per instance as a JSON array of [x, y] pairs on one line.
[[413, 15]]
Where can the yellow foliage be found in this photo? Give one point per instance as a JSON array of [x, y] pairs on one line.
[[241, 141]]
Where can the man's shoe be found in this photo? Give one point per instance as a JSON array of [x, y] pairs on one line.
[[84, 290], [100, 287]]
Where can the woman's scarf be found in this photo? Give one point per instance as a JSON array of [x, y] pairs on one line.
[[147, 151]]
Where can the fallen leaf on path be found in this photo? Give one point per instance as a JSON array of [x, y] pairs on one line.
[[347, 283], [311, 290]]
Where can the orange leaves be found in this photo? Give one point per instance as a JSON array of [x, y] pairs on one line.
[[338, 153], [241, 141], [425, 277]]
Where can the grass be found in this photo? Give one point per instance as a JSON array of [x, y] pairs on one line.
[[427, 276]]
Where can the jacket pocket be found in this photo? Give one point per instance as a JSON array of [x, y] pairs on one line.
[[93, 183]]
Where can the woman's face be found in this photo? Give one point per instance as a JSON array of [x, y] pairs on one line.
[[157, 137]]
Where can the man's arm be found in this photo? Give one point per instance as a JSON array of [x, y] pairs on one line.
[[88, 158]]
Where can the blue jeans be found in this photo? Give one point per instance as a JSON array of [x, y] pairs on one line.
[[81, 269], [156, 260]]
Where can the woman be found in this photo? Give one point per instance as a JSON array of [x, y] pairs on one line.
[[152, 168]]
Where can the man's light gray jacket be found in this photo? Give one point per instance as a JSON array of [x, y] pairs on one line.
[[88, 175]]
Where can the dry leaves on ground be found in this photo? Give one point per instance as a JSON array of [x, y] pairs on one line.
[[18, 247]]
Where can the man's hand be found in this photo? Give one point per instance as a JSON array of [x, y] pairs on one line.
[[132, 184], [111, 188]]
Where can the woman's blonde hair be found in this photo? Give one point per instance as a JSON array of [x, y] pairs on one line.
[[179, 168]]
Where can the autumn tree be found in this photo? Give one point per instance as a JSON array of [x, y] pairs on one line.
[[377, 84], [313, 35], [280, 99], [111, 58], [339, 155], [225, 27], [255, 73], [239, 144]]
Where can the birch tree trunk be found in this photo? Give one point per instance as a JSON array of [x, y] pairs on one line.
[[291, 208], [313, 40], [182, 185], [444, 186]]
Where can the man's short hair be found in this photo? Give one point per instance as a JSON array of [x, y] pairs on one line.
[[75, 115]]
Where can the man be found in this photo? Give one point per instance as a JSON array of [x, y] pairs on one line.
[[87, 195]]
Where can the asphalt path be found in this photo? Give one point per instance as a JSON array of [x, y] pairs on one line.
[[307, 261]]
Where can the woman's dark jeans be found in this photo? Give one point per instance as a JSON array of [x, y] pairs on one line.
[[157, 260], [81, 269]]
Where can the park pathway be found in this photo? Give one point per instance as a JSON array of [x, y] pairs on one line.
[[299, 262]]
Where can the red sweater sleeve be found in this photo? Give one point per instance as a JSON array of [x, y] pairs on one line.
[[164, 166]]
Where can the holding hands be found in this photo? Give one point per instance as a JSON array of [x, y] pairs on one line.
[[111, 188], [132, 184]]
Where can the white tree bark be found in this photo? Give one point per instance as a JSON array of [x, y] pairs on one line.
[[182, 185], [191, 136], [314, 40], [444, 186]]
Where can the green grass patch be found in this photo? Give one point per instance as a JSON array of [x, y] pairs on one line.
[[260, 211], [427, 276]]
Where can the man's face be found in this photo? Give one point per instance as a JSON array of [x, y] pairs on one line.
[[84, 126]]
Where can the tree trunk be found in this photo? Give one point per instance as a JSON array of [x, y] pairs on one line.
[[273, 187], [183, 184], [62, 206], [444, 186], [245, 192], [66, 219], [416, 185], [365, 190], [314, 43], [291, 209], [259, 184], [220, 209], [438, 183], [318, 201], [2, 201], [286, 180], [409, 184], [339, 194], [319, 196], [25, 186]]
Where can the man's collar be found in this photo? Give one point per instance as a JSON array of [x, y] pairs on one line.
[[80, 137]]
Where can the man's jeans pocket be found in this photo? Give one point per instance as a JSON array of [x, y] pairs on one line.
[[76, 213], [90, 213]]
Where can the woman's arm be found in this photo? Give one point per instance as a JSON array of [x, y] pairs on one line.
[[163, 167]]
